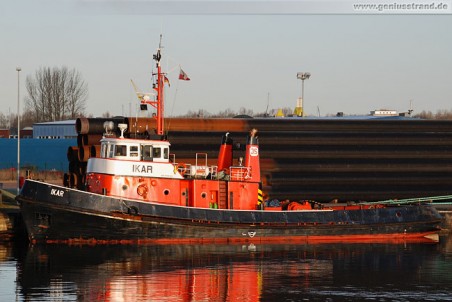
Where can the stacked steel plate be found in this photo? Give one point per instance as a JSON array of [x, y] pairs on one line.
[[320, 159]]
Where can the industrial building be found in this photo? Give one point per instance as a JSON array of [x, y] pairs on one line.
[[55, 130]]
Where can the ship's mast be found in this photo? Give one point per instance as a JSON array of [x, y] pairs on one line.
[[158, 86]]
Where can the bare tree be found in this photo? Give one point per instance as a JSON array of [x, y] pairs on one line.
[[56, 94], [201, 113], [244, 111], [27, 119], [225, 113], [77, 94], [4, 121]]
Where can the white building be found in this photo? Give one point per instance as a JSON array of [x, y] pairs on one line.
[[384, 112]]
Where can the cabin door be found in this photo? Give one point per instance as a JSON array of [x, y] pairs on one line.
[[223, 195], [185, 199]]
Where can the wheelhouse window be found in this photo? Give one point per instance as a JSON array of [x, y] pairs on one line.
[[133, 151], [103, 151], [157, 152], [120, 150], [111, 151], [165, 153], [146, 152], [154, 153]]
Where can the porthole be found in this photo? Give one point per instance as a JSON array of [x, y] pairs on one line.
[[203, 194], [166, 192]]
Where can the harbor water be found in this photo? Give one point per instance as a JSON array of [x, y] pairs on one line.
[[396, 271]]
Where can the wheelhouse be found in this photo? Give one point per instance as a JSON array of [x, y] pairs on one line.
[[137, 150]]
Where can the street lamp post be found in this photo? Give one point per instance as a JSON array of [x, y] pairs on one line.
[[303, 76], [18, 69]]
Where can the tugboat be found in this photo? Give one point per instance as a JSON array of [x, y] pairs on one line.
[[137, 193]]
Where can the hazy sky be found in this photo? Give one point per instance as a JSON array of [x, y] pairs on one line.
[[358, 62]]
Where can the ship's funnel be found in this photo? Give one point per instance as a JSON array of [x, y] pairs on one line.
[[225, 155], [252, 157]]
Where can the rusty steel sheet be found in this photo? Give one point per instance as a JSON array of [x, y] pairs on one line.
[[85, 125], [88, 139], [301, 124], [95, 125], [84, 153]]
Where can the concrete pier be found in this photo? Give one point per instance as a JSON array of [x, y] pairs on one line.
[[11, 224]]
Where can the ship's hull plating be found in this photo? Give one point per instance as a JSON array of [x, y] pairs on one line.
[[61, 215]]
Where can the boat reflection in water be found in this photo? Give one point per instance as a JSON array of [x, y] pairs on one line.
[[351, 272]]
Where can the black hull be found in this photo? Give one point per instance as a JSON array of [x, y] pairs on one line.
[[61, 215]]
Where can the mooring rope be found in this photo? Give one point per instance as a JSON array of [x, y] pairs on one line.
[[415, 200]]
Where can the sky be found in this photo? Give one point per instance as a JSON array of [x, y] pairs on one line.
[[237, 56]]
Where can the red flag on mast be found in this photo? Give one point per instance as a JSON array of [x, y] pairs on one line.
[[183, 76], [166, 80]]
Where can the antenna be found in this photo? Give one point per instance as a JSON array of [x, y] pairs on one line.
[[268, 103], [158, 55]]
